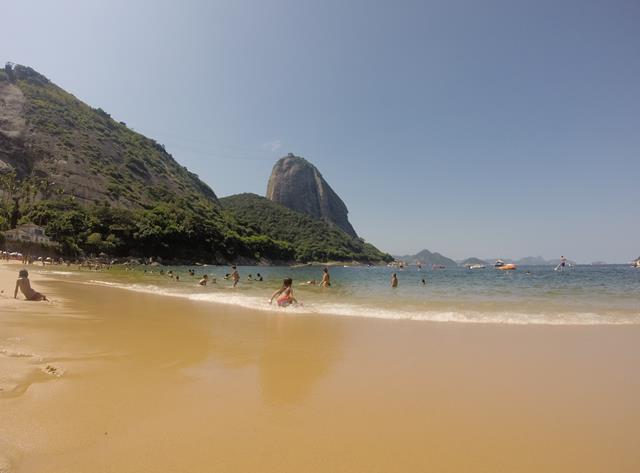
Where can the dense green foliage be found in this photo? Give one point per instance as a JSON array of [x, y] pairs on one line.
[[312, 240], [171, 230]]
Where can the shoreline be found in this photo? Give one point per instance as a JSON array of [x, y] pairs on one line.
[[252, 295], [140, 383]]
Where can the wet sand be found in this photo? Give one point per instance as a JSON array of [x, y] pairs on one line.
[[106, 380]]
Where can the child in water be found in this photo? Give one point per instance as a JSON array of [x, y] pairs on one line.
[[286, 294], [24, 285]]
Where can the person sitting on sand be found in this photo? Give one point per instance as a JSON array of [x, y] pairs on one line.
[[259, 277], [286, 294], [203, 281], [250, 278], [394, 280], [235, 276], [326, 279], [24, 285]]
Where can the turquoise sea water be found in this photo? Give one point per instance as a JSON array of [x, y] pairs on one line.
[[580, 295]]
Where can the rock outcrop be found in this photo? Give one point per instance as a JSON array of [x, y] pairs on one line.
[[298, 185]]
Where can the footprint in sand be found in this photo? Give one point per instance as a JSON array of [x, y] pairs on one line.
[[52, 371]]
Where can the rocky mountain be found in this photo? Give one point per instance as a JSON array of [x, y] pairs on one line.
[[533, 261], [298, 185], [473, 260], [49, 135], [426, 257], [310, 239]]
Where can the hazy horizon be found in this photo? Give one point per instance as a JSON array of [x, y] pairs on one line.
[[466, 128]]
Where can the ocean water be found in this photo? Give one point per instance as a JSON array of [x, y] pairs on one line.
[[580, 295]]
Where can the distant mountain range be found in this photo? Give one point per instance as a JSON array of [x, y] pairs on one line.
[[535, 261], [426, 257], [472, 260]]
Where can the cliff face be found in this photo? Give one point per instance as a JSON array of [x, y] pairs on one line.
[[48, 134], [298, 185]]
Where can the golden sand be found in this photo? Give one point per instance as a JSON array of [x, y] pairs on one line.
[[107, 380]]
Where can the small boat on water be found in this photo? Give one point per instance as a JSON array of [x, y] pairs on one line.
[[438, 266], [507, 267], [498, 264], [476, 266]]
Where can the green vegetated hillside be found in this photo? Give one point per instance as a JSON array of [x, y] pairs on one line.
[[82, 151], [99, 187], [311, 239]]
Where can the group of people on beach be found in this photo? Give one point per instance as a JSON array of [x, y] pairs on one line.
[[284, 295]]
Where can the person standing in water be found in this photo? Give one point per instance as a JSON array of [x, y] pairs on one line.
[[286, 294], [235, 276], [326, 279], [24, 285], [562, 264], [394, 280]]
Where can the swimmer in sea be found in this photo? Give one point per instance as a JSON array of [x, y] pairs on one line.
[[394, 280], [203, 281], [259, 277], [424, 282], [24, 285], [326, 279], [285, 294], [235, 276], [313, 282]]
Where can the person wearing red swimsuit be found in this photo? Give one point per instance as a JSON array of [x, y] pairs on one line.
[[286, 294]]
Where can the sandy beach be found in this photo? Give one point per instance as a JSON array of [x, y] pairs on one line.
[[107, 380]]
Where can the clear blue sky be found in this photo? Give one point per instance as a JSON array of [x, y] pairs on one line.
[[486, 128]]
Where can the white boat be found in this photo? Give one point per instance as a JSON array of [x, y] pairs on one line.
[[476, 266]]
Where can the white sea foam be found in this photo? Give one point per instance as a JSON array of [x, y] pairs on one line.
[[359, 310]]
